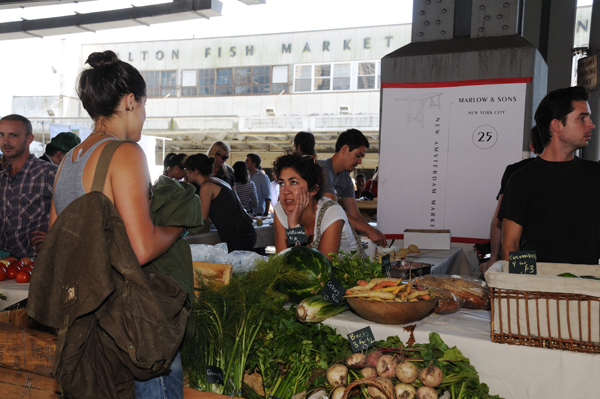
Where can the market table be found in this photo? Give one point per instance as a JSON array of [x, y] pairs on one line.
[[14, 292], [510, 371], [265, 237], [452, 261]]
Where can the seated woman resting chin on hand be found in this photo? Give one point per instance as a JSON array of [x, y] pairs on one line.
[[301, 203]]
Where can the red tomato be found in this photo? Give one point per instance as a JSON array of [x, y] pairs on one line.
[[2, 274], [16, 263], [3, 266], [25, 260], [30, 264], [23, 276], [11, 272], [10, 258], [28, 268]]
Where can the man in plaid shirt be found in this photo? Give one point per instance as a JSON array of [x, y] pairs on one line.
[[26, 187]]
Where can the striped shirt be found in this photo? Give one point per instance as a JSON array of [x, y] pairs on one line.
[[261, 181], [25, 201], [247, 195]]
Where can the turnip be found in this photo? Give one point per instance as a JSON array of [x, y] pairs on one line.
[[369, 372], [407, 372], [386, 366], [388, 386], [337, 375], [357, 360], [405, 391], [426, 393], [338, 393], [372, 358], [431, 376]]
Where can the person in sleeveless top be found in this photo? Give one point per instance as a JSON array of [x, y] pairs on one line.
[[118, 111], [221, 204], [302, 204]]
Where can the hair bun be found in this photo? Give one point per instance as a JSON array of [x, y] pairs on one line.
[[102, 60]]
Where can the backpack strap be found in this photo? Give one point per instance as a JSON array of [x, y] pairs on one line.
[[103, 164]]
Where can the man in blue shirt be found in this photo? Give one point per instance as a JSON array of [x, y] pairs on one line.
[[261, 181]]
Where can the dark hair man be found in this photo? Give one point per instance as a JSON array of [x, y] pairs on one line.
[[350, 148], [59, 146], [551, 205], [25, 190], [261, 181]]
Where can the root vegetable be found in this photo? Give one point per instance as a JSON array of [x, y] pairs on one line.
[[431, 376], [337, 375], [405, 391], [426, 393], [369, 372], [338, 393], [386, 366], [373, 357], [387, 384], [357, 360], [407, 372]]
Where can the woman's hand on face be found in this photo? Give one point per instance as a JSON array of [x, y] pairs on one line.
[[302, 201]]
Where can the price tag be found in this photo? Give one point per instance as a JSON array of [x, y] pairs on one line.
[[333, 291], [214, 375], [386, 265], [522, 262], [296, 236], [361, 340]]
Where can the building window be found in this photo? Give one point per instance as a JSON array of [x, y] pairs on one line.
[[242, 81], [337, 77], [160, 83]]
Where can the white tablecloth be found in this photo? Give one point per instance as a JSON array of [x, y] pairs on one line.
[[513, 372], [13, 291], [452, 261]]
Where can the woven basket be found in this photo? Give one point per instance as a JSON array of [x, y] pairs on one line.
[[368, 381]]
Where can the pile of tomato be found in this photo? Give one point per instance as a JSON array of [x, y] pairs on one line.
[[17, 269]]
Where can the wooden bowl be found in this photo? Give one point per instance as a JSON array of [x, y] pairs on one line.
[[391, 312]]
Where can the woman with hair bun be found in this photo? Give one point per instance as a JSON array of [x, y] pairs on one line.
[[220, 204], [304, 143], [113, 93], [302, 204]]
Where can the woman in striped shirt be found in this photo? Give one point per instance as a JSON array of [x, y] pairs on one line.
[[245, 189]]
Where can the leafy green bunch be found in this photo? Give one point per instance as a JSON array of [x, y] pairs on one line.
[[348, 268]]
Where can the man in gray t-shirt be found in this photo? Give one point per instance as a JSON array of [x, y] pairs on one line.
[[350, 149]]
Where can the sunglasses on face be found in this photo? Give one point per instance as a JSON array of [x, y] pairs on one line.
[[223, 157]]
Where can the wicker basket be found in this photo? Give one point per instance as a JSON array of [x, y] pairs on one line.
[[529, 314]]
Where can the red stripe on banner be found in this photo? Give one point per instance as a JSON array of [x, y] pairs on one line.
[[456, 83], [462, 240]]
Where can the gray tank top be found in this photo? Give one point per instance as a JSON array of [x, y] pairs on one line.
[[69, 185]]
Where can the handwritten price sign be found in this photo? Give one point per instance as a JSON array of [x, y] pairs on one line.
[[361, 340], [522, 262], [333, 291]]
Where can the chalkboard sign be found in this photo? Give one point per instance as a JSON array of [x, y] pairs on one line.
[[296, 236], [361, 340], [386, 265], [333, 292], [214, 375], [522, 262]]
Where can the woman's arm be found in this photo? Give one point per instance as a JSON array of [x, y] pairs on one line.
[[331, 238], [205, 199], [280, 237], [129, 183]]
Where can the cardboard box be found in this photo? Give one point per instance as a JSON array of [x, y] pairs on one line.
[[427, 239]]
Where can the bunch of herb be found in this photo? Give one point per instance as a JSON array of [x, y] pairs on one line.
[[348, 268], [293, 357], [228, 320]]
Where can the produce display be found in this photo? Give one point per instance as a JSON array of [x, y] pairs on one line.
[[19, 270], [264, 351], [317, 270]]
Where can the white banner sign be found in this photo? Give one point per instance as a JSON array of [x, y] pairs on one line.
[[443, 149]]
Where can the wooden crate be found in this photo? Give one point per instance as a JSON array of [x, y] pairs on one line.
[[23, 384], [26, 349], [17, 317], [216, 272]]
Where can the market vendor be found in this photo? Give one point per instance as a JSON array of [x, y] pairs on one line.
[[25, 190], [552, 205], [301, 203], [350, 148]]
